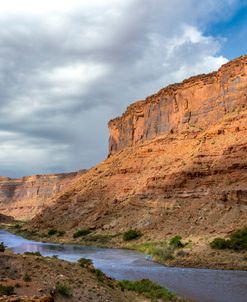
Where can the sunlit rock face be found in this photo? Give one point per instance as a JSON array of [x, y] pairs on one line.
[[177, 165], [198, 102]]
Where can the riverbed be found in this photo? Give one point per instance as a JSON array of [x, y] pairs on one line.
[[202, 285]]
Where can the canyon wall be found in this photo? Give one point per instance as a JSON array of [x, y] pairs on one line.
[[23, 198], [198, 102], [182, 168]]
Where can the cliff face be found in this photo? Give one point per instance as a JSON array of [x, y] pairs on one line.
[[182, 168], [199, 102], [25, 197]]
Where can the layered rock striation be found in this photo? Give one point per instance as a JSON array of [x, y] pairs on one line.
[[200, 102], [178, 165], [25, 197]]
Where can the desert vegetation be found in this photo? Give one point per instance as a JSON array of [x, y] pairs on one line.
[[131, 234], [6, 290], [81, 232], [237, 241], [148, 289]]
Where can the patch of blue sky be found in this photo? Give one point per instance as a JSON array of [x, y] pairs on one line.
[[233, 31]]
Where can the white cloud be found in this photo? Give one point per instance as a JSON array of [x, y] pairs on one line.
[[67, 67]]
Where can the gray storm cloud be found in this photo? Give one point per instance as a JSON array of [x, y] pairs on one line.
[[66, 68]]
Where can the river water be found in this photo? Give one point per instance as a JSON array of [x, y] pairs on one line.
[[202, 285]]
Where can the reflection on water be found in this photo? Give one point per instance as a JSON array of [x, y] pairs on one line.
[[199, 284]]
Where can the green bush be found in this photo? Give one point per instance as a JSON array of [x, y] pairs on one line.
[[237, 241], [131, 234], [147, 288], [81, 232], [2, 247], [86, 263], [218, 243], [100, 275], [52, 232], [26, 277], [17, 226], [60, 233], [6, 290], [33, 254], [176, 242], [63, 289]]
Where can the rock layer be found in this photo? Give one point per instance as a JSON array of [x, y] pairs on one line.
[[197, 102], [25, 197]]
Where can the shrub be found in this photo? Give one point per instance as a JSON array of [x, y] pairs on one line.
[[6, 290], [2, 247], [100, 275], [17, 226], [218, 243], [26, 277], [147, 288], [60, 233], [33, 254], [237, 241], [131, 234], [86, 263], [176, 242], [63, 289], [52, 232], [81, 232]]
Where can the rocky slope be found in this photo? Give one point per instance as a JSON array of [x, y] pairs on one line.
[[177, 164], [44, 273], [25, 197]]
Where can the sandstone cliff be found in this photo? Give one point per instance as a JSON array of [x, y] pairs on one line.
[[25, 197], [199, 102], [178, 165]]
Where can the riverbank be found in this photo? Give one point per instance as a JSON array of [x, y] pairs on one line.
[[33, 278], [197, 253], [44, 279], [197, 284]]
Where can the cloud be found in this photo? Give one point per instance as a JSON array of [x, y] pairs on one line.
[[67, 67]]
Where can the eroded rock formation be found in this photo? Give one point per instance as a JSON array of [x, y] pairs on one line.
[[177, 165], [199, 102], [25, 197]]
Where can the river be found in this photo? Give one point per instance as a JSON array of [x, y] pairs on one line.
[[202, 285]]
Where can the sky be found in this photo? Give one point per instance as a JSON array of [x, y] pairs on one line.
[[69, 66]]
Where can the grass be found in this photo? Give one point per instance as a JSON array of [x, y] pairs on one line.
[[160, 251], [148, 288], [131, 234], [237, 241], [63, 289], [6, 290], [33, 254], [81, 232]]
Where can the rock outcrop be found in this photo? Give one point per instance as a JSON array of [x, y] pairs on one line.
[[199, 102], [177, 165], [25, 197]]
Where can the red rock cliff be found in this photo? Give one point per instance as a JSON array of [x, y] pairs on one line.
[[197, 102], [25, 197]]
